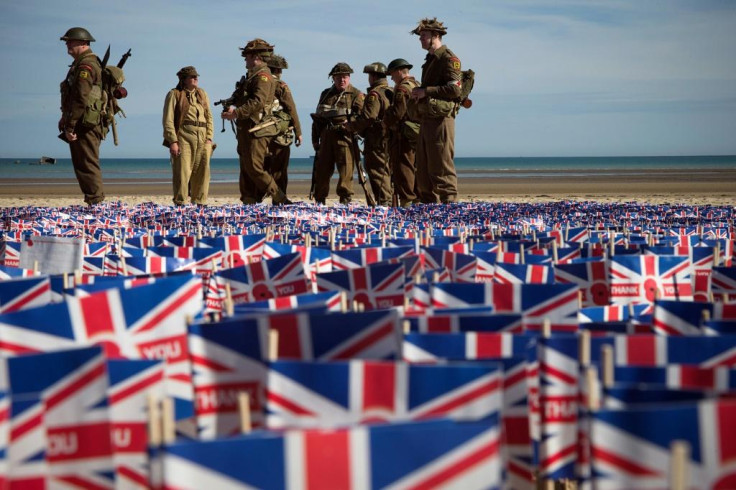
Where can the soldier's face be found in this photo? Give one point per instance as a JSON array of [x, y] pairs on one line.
[[250, 60], [190, 83], [396, 76], [425, 37], [74, 47], [341, 81]]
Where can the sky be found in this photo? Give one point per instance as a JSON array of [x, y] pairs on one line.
[[553, 77]]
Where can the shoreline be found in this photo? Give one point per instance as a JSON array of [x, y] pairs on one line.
[[717, 187]]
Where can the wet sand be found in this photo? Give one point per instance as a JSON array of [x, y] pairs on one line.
[[717, 187]]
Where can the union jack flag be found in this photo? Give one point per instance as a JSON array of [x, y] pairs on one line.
[[590, 276], [631, 448], [136, 266], [325, 301], [8, 272], [364, 256], [131, 382], [462, 267], [73, 387], [374, 286], [280, 276], [438, 322], [505, 273], [321, 394], [658, 350], [315, 259], [723, 280], [558, 400], [21, 294], [430, 454], [228, 358], [679, 317], [420, 347], [644, 278]]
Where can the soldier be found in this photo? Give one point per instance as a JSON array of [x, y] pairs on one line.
[[333, 142], [81, 123], [188, 130], [403, 121], [369, 123], [279, 150], [438, 100], [254, 100]]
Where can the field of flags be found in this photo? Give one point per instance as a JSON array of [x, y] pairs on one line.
[[477, 345]]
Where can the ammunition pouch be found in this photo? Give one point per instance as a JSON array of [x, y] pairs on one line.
[[93, 113], [266, 130], [410, 131], [285, 135], [436, 108]]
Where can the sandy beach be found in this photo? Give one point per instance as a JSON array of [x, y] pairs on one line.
[[716, 187]]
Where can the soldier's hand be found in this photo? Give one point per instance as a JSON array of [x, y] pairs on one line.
[[70, 135], [174, 150], [418, 93], [229, 114], [315, 146], [298, 140]]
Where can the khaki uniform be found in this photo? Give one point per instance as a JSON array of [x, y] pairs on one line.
[[188, 121], [336, 145], [436, 178], [277, 161], [84, 73], [370, 124], [255, 100], [403, 149]]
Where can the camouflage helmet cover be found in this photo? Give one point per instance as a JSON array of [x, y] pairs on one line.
[[259, 46], [399, 63], [430, 25], [77, 34], [278, 62], [340, 69], [376, 67], [186, 72]]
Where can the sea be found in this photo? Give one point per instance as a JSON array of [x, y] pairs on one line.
[[227, 170]]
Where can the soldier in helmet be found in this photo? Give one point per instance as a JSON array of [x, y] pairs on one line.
[[81, 123], [279, 150], [403, 121], [438, 100], [369, 124], [331, 139], [188, 131], [255, 99]]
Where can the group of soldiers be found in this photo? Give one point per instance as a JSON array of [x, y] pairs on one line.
[[407, 130]]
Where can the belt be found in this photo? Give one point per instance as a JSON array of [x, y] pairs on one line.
[[199, 124]]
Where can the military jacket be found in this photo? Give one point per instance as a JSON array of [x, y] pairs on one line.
[[258, 95], [374, 107], [349, 102], [442, 75], [84, 73], [399, 109], [178, 108], [287, 103]]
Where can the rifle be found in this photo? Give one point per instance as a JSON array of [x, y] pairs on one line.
[[225, 103], [314, 165], [362, 176], [119, 93]]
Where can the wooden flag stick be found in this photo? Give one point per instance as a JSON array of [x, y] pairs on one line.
[[406, 324], [273, 345], [244, 410], [584, 348], [679, 465], [343, 301], [546, 328], [229, 306], [593, 388], [607, 363], [154, 421], [168, 425]]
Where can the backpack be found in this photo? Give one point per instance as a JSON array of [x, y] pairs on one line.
[[468, 79], [112, 90]]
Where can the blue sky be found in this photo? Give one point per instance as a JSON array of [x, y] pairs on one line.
[[553, 78]]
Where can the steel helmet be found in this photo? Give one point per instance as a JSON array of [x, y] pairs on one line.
[[340, 69], [375, 67], [430, 25], [399, 63], [77, 34], [277, 61]]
